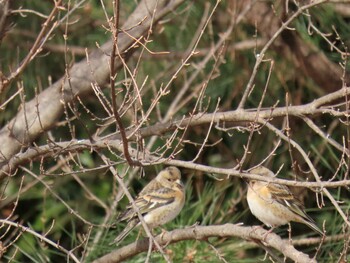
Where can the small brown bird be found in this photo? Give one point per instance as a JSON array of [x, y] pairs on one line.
[[274, 204], [159, 202]]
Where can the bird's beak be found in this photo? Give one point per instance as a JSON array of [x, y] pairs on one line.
[[180, 184]]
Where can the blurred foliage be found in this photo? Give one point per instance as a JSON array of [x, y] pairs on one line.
[[211, 199]]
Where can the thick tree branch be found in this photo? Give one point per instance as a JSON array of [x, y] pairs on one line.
[[255, 234], [306, 56], [41, 113], [260, 57]]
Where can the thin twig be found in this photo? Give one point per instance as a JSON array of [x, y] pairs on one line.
[[41, 237], [114, 29]]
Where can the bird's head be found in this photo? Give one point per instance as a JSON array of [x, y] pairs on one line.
[[262, 171], [170, 177]]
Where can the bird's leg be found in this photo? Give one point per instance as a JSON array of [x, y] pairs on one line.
[[267, 233], [290, 233], [139, 234], [161, 237], [255, 228]]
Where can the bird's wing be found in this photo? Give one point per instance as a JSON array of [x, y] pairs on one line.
[[152, 186], [155, 199], [284, 196], [149, 202]]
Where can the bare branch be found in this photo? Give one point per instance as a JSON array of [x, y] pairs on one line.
[[50, 107], [203, 233], [41, 237]]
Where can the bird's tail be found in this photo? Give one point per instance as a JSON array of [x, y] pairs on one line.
[[130, 226], [313, 226]]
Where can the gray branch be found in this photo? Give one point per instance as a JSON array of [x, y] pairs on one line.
[[255, 234], [41, 113]]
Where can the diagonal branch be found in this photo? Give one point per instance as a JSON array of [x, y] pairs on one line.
[[49, 109]]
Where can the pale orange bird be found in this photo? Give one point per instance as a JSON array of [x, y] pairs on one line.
[[159, 202], [274, 204]]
